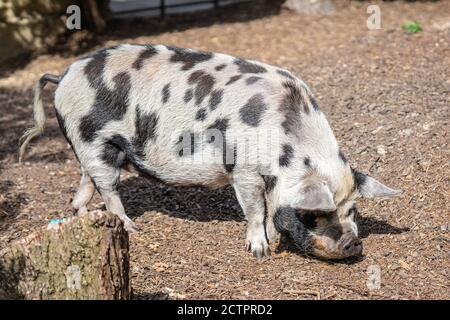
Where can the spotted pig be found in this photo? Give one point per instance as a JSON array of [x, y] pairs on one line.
[[189, 117]]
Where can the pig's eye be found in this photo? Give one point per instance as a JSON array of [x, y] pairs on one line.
[[323, 214], [308, 219]]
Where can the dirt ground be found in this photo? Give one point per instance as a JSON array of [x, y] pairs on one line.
[[387, 96]]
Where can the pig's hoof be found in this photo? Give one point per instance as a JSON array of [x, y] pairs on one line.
[[131, 227], [82, 211], [259, 249]]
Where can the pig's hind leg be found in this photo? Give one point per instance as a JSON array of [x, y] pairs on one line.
[[84, 193], [114, 205], [250, 194], [105, 173]]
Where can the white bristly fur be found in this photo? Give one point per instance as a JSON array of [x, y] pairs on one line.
[[39, 119]]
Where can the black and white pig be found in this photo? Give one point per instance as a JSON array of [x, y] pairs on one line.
[[189, 117]]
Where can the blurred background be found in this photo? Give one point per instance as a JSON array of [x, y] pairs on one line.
[[36, 25]]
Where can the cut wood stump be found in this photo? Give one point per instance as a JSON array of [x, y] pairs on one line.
[[84, 257]]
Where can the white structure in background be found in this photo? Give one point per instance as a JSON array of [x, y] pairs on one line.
[[121, 8]]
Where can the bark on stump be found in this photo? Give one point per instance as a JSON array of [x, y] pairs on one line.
[[84, 257]]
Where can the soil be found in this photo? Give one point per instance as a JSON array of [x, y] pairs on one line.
[[386, 94]]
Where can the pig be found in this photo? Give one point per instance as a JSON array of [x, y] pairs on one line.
[[188, 117]]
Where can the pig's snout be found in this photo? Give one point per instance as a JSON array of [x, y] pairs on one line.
[[350, 245]]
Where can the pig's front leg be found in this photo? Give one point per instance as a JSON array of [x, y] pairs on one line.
[[250, 194]]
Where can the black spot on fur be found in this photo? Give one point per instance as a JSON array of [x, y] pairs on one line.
[[95, 67], [290, 107], [221, 124], [253, 110], [215, 99], [145, 54], [111, 155], [187, 142], [203, 88], [100, 51], [145, 131], [285, 74], [166, 93], [233, 79], [201, 114], [249, 67], [120, 142], [109, 104], [220, 67], [188, 95], [286, 157], [342, 156], [270, 182], [287, 222], [189, 58], [205, 83], [194, 76], [307, 162], [251, 80], [228, 151]]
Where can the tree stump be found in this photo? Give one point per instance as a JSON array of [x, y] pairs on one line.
[[84, 257]]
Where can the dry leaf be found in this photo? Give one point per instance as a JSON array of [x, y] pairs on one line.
[[160, 266], [404, 265]]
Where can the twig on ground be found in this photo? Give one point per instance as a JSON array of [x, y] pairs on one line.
[[303, 292]]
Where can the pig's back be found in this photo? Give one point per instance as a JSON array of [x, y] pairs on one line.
[[152, 95]]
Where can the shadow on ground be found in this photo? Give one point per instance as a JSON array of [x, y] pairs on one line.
[[370, 225], [141, 195], [151, 296]]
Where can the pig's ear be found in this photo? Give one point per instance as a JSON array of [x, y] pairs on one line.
[[369, 187], [315, 197]]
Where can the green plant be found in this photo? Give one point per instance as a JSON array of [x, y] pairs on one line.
[[412, 27]]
